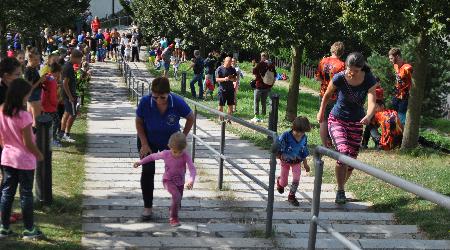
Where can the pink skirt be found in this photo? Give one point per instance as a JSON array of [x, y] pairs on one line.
[[346, 136]]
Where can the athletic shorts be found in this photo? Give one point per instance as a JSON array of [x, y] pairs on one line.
[[70, 107], [346, 136], [226, 96], [166, 65]]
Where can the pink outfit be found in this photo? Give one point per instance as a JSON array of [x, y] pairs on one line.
[[15, 154], [296, 171], [174, 175]]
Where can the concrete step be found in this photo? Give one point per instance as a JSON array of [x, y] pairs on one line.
[[104, 215], [282, 230], [254, 243], [224, 195], [94, 203]]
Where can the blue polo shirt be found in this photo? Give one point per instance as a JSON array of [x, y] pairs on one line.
[[291, 150], [159, 127]]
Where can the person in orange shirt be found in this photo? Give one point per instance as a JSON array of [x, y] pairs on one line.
[[326, 69], [403, 75]]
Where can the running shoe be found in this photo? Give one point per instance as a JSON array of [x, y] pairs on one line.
[[67, 138], [174, 222], [340, 197], [35, 233]]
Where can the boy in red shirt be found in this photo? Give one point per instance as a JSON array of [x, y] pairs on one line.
[[49, 98], [403, 76], [326, 69]]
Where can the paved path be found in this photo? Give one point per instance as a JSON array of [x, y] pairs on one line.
[[211, 219]]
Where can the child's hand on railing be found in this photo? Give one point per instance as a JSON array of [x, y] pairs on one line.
[[307, 168], [136, 164], [190, 185]]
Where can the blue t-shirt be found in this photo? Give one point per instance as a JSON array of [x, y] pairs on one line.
[[80, 38], [291, 150], [351, 99], [159, 127]]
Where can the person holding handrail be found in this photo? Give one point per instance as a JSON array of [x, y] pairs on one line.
[[345, 123], [157, 118]]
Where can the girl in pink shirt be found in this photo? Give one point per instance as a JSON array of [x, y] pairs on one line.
[[18, 158], [175, 161]]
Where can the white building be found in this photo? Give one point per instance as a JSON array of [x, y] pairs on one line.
[[103, 8]]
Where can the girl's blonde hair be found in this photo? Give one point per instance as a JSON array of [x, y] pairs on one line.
[[178, 141]]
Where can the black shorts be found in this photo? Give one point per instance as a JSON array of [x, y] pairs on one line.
[[70, 107], [114, 46], [226, 96]]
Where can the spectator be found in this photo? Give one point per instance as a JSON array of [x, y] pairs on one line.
[[32, 76], [135, 50], [210, 65], [225, 76], [69, 95], [157, 118], [163, 42], [348, 116], [19, 157], [95, 25], [403, 77], [198, 66], [81, 37], [326, 69], [123, 43], [165, 55], [262, 88]]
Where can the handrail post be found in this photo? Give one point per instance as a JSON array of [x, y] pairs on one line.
[[183, 82], [194, 131], [43, 183], [318, 172], [222, 150], [273, 115], [142, 88], [270, 192]]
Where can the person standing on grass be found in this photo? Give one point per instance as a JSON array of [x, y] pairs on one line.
[[197, 65], [225, 76], [262, 88], [166, 55], [292, 153], [32, 76], [10, 70], [403, 78], [326, 69], [347, 117], [157, 118], [176, 159], [69, 95], [49, 99], [18, 159], [210, 66]]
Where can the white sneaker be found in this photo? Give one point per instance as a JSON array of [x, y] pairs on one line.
[[255, 119], [66, 138]]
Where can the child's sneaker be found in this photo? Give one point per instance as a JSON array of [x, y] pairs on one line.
[[33, 234], [255, 119], [5, 232], [280, 189], [340, 197], [174, 222], [67, 138], [293, 200]]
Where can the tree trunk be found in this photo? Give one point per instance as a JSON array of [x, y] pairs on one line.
[[412, 124], [294, 83]]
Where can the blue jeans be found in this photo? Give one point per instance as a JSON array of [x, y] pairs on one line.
[[197, 78], [12, 177]]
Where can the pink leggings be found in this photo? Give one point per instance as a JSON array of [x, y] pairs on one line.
[[296, 171], [177, 195]]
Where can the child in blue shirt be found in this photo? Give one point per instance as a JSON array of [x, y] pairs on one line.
[[293, 150]]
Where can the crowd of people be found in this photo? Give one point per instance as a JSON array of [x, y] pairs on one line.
[[35, 83]]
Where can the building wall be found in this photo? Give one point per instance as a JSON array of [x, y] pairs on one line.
[[101, 8]]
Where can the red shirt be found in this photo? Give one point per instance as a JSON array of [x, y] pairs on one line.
[[95, 25], [403, 80], [326, 69], [107, 36], [49, 95]]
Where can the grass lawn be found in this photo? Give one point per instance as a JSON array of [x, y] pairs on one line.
[[429, 168], [60, 222]]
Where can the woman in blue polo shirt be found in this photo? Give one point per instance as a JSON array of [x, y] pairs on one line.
[[157, 118]]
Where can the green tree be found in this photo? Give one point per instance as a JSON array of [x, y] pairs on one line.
[[424, 21]]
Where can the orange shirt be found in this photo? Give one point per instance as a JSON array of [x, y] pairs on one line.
[[326, 69], [391, 128], [403, 80]]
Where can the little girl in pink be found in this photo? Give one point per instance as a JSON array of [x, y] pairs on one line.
[[175, 161]]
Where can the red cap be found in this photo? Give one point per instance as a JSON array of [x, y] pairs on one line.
[[76, 67], [379, 93]]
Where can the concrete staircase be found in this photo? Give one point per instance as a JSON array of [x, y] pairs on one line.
[[211, 219]]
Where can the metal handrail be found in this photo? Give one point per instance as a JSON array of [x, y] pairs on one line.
[[130, 79], [425, 193]]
